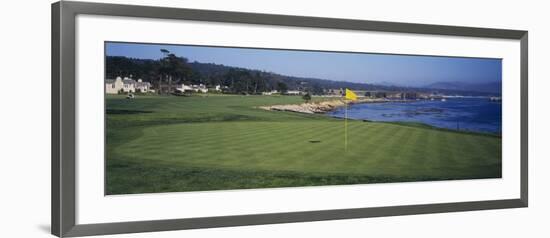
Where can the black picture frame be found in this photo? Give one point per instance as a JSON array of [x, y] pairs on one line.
[[63, 117]]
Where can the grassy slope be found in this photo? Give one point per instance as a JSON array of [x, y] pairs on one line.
[[162, 144]]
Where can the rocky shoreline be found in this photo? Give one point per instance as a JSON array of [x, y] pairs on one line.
[[317, 107]]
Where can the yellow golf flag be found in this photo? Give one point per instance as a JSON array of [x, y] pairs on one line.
[[350, 95]]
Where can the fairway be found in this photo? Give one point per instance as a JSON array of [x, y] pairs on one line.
[[170, 143]]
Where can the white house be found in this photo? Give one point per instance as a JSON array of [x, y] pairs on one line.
[[293, 92], [183, 88], [270, 93], [142, 86], [126, 85], [118, 85], [216, 88], [113, 86], [200, 88], [195, 88]]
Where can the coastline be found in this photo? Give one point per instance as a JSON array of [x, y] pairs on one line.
[[324, 106]]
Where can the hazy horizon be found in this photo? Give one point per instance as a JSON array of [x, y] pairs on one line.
[[374, 68]]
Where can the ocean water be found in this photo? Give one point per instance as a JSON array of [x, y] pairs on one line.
[[469, 114]]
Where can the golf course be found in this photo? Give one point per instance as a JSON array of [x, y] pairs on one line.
[[219, 142]]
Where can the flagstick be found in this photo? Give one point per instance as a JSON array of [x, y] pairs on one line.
[[346, 126]]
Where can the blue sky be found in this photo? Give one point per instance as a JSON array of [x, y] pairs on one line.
[[403, 70]]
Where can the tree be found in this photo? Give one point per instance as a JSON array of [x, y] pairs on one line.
[[259, 83], [282, 87], [307, 97], [242, 81], [164, 68], [173, 67]]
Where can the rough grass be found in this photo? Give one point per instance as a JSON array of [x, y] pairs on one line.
[[167, 144]]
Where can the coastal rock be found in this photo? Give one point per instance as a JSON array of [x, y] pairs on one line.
[[315, 107]]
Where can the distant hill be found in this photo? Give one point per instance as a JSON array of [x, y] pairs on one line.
[[294, 83], [490, 87], [212, 74]]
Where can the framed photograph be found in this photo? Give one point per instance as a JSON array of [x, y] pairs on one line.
[[167, 119]]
